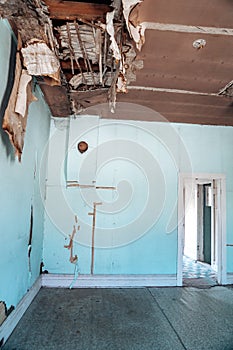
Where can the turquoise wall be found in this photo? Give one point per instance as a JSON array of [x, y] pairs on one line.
[[20, 189], [136, 224]]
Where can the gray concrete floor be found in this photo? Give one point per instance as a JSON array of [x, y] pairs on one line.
[[125, 319]]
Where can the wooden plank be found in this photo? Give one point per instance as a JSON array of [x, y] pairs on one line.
[[71, 10], [209, 13], [57, 99], [89, 98], [173, 107], [172, 62]]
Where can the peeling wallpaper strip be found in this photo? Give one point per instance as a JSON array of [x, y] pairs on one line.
[[14, 123]]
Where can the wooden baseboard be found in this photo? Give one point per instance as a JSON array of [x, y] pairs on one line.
[[12, 320], [108, 281]]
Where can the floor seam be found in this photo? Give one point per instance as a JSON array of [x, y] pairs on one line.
[[178, 336]]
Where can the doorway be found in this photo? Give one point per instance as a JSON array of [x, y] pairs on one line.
[[201, 229]]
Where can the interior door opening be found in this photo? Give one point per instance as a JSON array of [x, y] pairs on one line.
[[201, 252]]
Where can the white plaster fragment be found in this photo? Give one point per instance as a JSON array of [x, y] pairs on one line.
[[110, 29], [135, 32], [40, 60], [88, 39], [21, 102], [121, 83], [86, 78]]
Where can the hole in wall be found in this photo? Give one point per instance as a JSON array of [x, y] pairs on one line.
[[82, 146]]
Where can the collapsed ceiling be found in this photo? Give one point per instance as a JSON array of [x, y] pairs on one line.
[[82, 48], [172, 57], [80, 53]]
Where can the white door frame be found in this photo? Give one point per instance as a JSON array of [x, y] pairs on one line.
[[221, 213]]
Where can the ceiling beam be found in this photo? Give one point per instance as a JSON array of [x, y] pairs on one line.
[[177, 107], [57, 100], [185, 28], [176, 91], [71, 10]]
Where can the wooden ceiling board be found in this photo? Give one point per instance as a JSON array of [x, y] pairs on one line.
[[184, 108], [57, 99], [71, 10], [208, 13], [170, 61]]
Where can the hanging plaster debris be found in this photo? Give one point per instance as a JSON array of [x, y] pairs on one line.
[[103, 55], [135, 31], [111, 31], [15, 117], [90, 59], [41, 61]]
